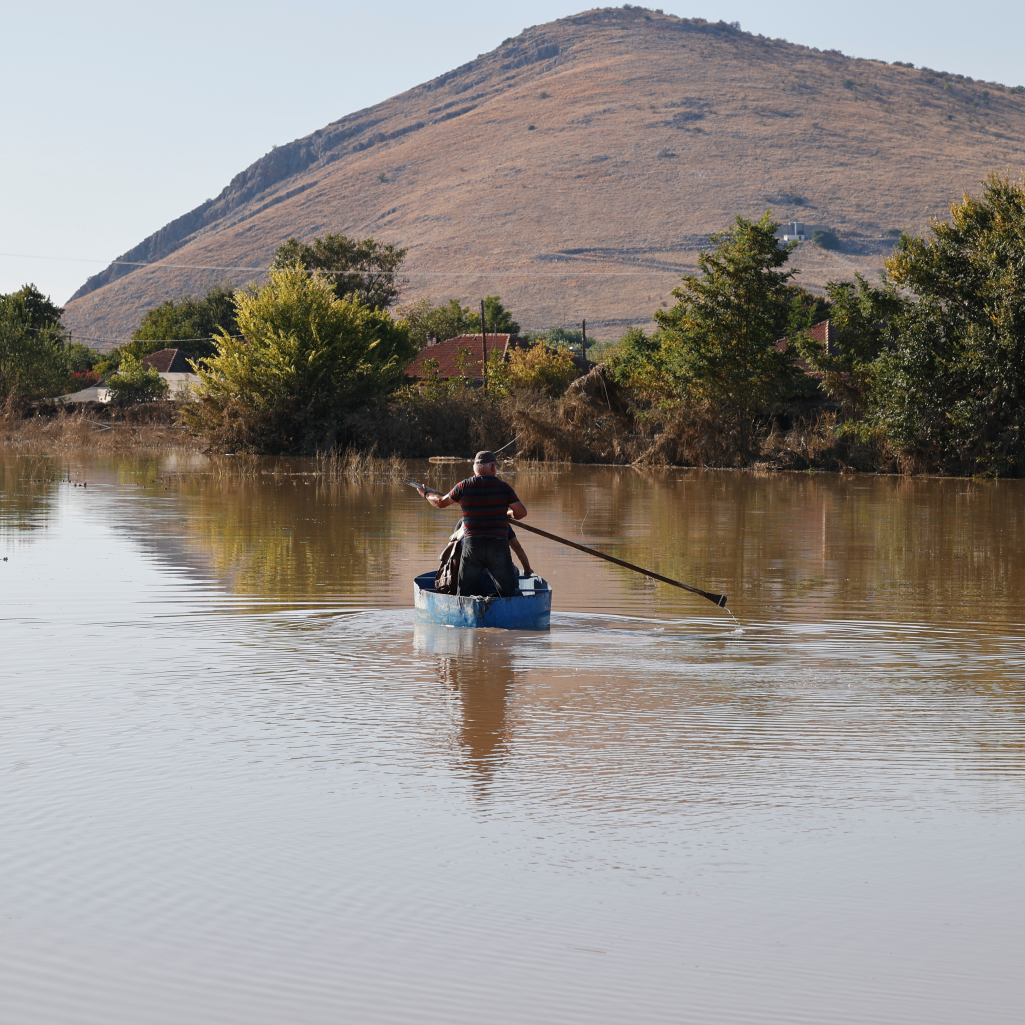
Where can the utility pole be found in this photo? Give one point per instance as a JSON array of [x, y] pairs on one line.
[[583, 339], [484, 345]]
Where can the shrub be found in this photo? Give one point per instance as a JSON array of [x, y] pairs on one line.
[[134, 383], [541, 369], [825, 239], [306, 359]]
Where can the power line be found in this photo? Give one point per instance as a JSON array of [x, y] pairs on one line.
[[491, 270]]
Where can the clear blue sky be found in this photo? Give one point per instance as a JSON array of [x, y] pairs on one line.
[[121, 116]]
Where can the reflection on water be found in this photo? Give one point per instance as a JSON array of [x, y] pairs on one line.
[[28, 487], [239, 783], [477, 667]]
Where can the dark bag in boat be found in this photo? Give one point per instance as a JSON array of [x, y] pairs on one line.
[[446, 580]]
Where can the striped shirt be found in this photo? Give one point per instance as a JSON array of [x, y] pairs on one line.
[[484, 501]]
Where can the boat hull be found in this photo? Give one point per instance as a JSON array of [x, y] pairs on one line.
[[530, 610]]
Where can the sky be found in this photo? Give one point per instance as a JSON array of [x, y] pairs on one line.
[[119, 117]]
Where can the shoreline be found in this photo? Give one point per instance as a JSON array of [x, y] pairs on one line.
[[149, 431]]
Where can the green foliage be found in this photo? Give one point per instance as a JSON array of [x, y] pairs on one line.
[[499, 319], [542, 369], [189, 324], [134, 382], [81, 358], [717, 345], [859, 315], [825, 239], [559, 338], [423, 320], [36, 310], [952, 391], [33, 357], [33, 362], [191, 321], [360, 267], [632, 356], [306, 359]]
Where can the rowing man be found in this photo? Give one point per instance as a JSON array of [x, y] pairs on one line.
[[485, 501]]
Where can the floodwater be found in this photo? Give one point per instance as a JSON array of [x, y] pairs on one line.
[[239, 785]]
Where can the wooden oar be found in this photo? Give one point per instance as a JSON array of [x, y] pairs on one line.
[[715, 599]]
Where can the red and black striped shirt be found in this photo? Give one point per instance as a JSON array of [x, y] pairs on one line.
[[484, 501]]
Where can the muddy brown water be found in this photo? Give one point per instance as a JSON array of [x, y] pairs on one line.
[[239, 785]]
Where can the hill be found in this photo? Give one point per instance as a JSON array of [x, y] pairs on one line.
[[578, 168]]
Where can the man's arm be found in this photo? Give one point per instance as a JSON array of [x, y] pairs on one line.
[[438, 501], [518, 509]]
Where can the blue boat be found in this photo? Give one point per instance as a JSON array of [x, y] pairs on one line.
[[530, 609]]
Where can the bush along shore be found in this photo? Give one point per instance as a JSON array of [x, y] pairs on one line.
[[921, 373]]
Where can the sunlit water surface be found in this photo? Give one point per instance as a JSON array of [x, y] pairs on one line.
[[239, 785]]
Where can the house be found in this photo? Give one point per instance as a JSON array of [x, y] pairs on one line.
[[820, 333], [462, 356], [794, 232], [174, 367]]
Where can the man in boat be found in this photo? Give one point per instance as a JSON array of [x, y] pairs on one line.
[[485, 501], [447, 577]]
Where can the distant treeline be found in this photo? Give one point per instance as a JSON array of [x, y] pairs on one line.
[[924, 371]]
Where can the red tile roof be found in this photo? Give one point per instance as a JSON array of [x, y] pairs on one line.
[[169, 361], [447, 353], [821, 334]]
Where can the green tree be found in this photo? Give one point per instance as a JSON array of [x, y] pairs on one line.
[[134, 382], [33, 357], [81, 358], [859, 318], [189, 320], [498, 318], [951, 392], [37, 311], [305, 360], [188, 323], [360, 267], [560, 338], [423, 320], [717, 345]]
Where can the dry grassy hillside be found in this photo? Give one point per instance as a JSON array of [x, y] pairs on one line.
[[578, 168]]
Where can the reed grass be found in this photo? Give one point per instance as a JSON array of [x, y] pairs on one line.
[[99, 430]]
